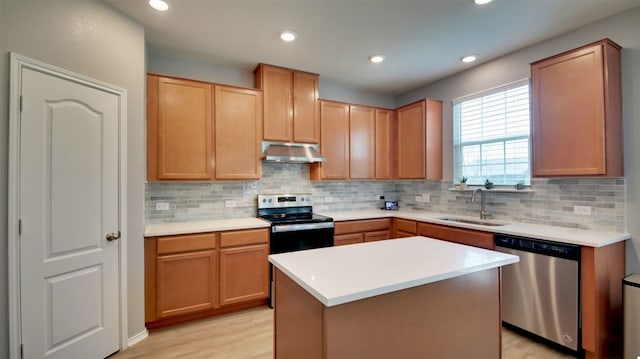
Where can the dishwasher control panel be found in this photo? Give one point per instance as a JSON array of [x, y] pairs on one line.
[[555, 249]]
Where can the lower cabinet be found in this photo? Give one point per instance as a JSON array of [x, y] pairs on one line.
[[244, 270], [469, 237], [350, 232], [404, 228], [199, 275]]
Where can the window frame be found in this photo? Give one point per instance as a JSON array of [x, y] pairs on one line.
[[458, 145]]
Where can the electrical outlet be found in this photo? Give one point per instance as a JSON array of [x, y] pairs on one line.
[[328, 199], [426, 197], [229, 203], [584, 210], [162, 206], [418, 198]]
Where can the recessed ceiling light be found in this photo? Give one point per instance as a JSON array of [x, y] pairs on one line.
[[159, 5], [482, 2], [288, 36], [377, 58], [469, 58]]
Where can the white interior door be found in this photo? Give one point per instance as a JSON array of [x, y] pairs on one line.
[[68, 204]]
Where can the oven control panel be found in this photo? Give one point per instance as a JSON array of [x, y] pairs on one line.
[[285, 200]]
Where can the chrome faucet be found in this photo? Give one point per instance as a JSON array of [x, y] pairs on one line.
[[483, 214]]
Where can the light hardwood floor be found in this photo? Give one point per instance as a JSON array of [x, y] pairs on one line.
[[249, 334]]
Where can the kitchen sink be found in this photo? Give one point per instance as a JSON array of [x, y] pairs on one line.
[[473, 221]]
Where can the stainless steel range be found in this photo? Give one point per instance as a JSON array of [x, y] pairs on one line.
[[294, 226]]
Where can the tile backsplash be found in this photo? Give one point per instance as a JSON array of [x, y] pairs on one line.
[[551, 201]]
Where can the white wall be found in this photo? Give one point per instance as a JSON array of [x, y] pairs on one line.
[[92, 39], [623, 29], [171, 65]]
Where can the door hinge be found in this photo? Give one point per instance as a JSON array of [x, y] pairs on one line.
[[21, 100], [19, 227], [21, 350]]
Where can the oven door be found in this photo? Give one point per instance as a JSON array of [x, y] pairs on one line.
[[297, 237]]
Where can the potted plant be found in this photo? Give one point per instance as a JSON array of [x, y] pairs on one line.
[[463, 183], [488, 184]]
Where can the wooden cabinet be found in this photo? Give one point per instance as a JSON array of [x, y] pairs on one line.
[[185, 275], [576, 106], [468, 237], [244, 270], [362, 122], [334, 142], [179, 129], [404, 228], [238, 131], [601, 272], [368, 230], [420, 140], [385, 144], [291, 112], [198, 275]]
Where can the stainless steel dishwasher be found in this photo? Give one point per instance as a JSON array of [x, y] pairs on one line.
[[541, 293]]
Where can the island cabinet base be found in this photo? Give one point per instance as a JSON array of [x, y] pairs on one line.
[[453, 318]]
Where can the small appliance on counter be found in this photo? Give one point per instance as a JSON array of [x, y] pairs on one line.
[[390, 206]]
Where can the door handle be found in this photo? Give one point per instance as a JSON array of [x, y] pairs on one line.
[[113, 236]]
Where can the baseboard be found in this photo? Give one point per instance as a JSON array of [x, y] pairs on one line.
[[138, 338]]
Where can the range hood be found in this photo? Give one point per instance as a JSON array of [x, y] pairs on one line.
[[290, 152]]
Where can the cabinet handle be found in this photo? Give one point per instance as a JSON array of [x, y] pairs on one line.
[[113, 236]]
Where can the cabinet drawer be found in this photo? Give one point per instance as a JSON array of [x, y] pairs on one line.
[[458, 235], [376, 236], [403, 225], [362, 226], [343, 239], [186, 243], [241, 238]]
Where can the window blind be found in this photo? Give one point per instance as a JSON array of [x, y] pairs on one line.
[[491, 136]]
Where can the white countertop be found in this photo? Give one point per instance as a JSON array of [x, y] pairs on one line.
[[167, 229], [552, 233], [342, 274]]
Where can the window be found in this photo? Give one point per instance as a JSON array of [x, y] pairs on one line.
[[491, 136]]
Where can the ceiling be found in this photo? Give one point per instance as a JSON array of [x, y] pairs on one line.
[[423, 40]]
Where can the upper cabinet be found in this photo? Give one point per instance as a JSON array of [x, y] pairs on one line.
[[334, 142], [420, 140], [179, 129], [385, 144], [362, 122], [576, 105], [238, 132], [201, 131], [291, 106]]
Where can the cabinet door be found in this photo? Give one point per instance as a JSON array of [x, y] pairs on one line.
[[306, 111], [376, 236], [344, 239], [334, 141], [576, 119], [179, 129], [404, 228], [244, 273], [186, 283], [238, 123], [434, 139], [412, 141], [385, 145], [361, 142], [277, 85]]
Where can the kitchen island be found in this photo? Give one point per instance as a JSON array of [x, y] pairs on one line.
[[414, 297]]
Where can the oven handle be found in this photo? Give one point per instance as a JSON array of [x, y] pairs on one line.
[[300, 227]]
